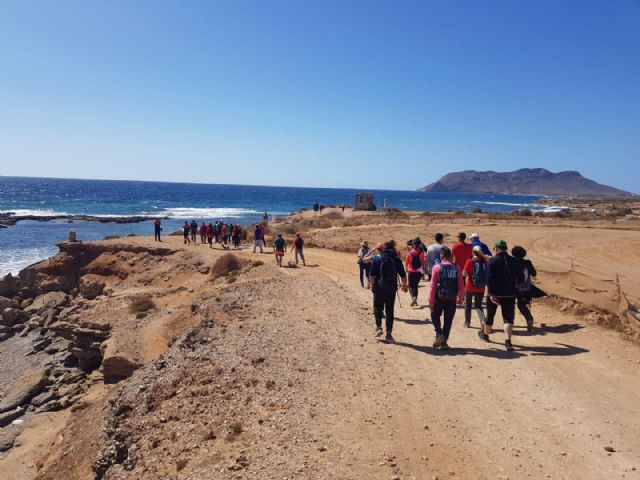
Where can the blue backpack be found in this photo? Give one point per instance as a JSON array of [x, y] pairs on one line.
[[480, 275], [448, 282]]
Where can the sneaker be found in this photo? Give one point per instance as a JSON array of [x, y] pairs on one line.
[[440, 339], [444, 346], [414, 302], [529, 325], [509, 345], [467, 324], [389, 338], [483, 336], [377, 332]]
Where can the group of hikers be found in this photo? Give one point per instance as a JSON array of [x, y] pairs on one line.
[[226, 234], [464, 274]]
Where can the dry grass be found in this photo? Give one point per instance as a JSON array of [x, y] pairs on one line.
[[333, 216], [141, 304], [226, 264]]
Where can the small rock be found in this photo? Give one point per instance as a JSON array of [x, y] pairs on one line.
[[610, 449]]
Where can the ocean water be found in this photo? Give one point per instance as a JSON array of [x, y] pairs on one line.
[[31, 241]]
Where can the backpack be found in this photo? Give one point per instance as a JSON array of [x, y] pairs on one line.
[[479, 275], [448, 282], [387, 275], [279, 244], [416, 264], [524, 282]]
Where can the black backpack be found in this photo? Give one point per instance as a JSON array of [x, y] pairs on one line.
[[448, 282], [279, 243], [416, 264], [387, 275], [479, 276], [524, 278]]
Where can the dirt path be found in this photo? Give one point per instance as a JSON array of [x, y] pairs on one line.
[[347, 406]]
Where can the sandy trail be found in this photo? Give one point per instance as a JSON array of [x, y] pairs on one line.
[[407, 411], [547, 410]]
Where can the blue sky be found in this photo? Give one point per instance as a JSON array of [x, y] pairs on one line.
[[370, 94]]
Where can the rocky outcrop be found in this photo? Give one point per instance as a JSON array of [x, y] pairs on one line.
[[22, 390], [526, 181], [9, 218], [91, 288]]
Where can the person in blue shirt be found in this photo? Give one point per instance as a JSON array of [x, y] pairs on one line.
[[475, 242]]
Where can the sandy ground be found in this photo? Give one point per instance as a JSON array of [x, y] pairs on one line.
[[361, 408]]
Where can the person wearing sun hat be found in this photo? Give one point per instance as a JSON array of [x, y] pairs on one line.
[[501, 291], [364, 267]]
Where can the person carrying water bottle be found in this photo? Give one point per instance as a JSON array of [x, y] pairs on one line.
[[475, 274], [446, 289]]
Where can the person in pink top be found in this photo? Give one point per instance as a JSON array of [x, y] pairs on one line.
[[447, 288], [414, 264]]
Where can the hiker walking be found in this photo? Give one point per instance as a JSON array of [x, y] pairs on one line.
[[298, 247], [525, 272], [384, 284], [461, 250], [203, 233], [257, 239], [279, 247], [475, 275], [235, 236], [433, 254], [501, 291], [210, 234], [364, 267], [157, 229], [475, 242], [414, 264], [186, 229], [194, 230], [446, 289]]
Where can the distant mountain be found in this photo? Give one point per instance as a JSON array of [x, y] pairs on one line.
[[535, 181]]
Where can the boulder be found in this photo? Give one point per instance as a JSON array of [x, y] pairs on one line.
[[23, 389], [7, 285], [11, 316], [47, 301], [7, 417], [5, 303], [91, 288]]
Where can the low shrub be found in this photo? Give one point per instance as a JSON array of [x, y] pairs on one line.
[[141, 304], [224, 265]]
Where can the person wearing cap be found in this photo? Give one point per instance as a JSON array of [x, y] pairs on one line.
[[475, 242], [298, 247], [475, 274], [364, 267], [501, 292]]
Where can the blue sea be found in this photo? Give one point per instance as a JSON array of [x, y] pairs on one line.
[[31, 241]]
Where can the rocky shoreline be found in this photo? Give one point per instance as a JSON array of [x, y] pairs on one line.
[[8, 219]]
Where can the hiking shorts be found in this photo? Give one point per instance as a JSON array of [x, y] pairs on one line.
[[507, 308]]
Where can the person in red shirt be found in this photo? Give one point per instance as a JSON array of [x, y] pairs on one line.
[[461, 250], [446, 288], [475, 274], [414, 264], [298, 247]]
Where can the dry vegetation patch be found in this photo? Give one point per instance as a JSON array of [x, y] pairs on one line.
[[225, 265]]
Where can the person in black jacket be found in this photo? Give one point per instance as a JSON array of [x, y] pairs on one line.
[[384, 285], [526, 271], [502, 277]]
